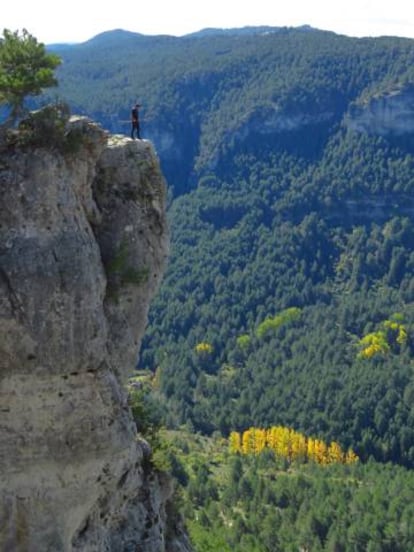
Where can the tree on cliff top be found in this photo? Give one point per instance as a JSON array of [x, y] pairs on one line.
[[25, 70]]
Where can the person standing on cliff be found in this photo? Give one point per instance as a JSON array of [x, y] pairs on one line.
[[135, 122]]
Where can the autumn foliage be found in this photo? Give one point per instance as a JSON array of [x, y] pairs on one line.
[[290, 445], [391, 337], [203, 349]]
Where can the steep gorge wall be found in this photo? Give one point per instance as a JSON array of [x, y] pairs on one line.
[[388, 114], [83, 245]]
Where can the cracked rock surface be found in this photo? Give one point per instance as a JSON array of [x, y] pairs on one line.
[[83, 246]]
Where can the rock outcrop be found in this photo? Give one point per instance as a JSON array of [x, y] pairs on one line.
[[83, 245], [387, 114]]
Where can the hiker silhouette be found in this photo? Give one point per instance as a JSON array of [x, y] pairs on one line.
[[135, 122]]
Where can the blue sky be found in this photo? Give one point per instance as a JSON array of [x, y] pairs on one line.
[[76, 21]]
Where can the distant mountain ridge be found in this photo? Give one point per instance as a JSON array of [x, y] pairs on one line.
[[121, 34]]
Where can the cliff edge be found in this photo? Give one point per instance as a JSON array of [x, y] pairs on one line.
[[83, 245]]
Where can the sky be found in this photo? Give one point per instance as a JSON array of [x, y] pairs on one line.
[[79, 20]]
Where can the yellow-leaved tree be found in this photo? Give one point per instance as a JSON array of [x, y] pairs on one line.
[[273, 323], [390, 338], [289, 444], [203, 349]]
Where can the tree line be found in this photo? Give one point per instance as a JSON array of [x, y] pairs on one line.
[[289, 444]]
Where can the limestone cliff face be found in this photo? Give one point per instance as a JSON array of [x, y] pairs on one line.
[[390, 113], [83, 244]]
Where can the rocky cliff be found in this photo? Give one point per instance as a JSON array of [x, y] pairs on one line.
[[388, 114], [83, 245]]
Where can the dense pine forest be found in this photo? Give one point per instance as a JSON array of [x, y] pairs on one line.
[[289, 296]]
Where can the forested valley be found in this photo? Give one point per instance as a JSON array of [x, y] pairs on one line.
[[288, 299]]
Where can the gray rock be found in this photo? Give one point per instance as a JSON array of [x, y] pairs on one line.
[[387, 114], [83, 246]]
